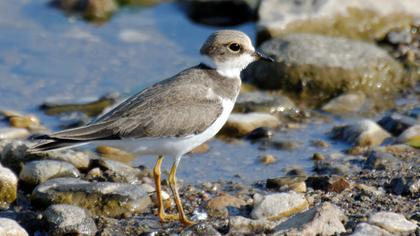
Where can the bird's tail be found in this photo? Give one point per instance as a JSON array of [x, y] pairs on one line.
[[53, 144]]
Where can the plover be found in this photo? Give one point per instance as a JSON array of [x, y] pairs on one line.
[[173, 116]]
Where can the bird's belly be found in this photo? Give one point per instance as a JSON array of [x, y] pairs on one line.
[[172, 146]]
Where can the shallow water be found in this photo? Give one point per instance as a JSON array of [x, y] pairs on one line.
[[45, 55]]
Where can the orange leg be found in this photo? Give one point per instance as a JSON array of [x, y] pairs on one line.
[[157, 173], [172, 183]]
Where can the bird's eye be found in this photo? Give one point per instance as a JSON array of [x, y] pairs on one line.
[[234, 47]]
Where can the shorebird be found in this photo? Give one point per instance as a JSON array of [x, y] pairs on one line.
[[173, 116]]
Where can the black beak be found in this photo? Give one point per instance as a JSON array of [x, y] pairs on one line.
[[260, 56]]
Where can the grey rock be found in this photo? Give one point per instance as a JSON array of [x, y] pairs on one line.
[[221, 12], [335, 17], [200, 229], [392, 222], [362, 133], [10, 227], [325, 219], [36, 172], [264, 102], [380, 160], [65, 219], [318, 68], [100, 198], [364, 229], [278, 205], [8, 187]]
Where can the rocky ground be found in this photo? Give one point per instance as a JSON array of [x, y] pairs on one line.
[[322, 71]]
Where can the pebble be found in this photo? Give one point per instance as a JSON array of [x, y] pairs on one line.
[[203, 148], [362, 133], [239, 225], [409, 135], [268, 159], [278, 205], [259, 133], [239, 125], [200, 229], [9, 227], [8, 187], [295, 183], [115, 154], [96, 10], [217, 206], [379, 160], [26, 122], [328, 183], [325, 219], [404, 185], [13, 133], [393, 222], [346, 103], [396, 123], [365, 229], [36, 172], [100, 198], [115, 171], [65, 219]]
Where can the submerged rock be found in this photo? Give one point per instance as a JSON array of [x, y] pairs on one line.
[[8, 187], [65, 219], [317, 68], [96, 10], [267, 103], [392, 222], [9, 227], [278, 205], [346, 103], [362, 133], [360, 19], [325, 219], [221, 12], [36, 172], [100, 198], [268, 159], [239, 125]]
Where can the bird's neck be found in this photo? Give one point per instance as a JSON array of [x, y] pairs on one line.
[[225, 69]]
